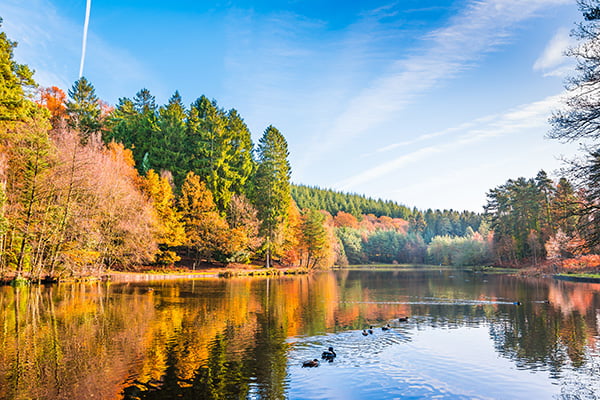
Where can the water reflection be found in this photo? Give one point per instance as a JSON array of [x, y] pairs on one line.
[[247, 337]]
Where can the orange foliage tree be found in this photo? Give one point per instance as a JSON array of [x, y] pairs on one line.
[[206, 230], [53, 98]]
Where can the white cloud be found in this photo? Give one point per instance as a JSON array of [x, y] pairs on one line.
[[552, 61], [480, 28], [527, 116]]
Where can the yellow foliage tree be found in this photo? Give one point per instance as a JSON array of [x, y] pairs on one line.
[[170, 231]]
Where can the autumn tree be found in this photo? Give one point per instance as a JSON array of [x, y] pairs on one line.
[[244, 226], [54, 99], [271, 183], [30, 157], [170, 230], [206, 230]]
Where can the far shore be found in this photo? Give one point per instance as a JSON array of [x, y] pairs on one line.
[[255, 270]]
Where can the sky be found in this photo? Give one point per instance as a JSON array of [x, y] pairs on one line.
[[429, 103]]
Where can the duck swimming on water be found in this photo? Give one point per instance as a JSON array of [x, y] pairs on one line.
[[310, 363], [386, 328], [370, 330], [403, 319], [365, 333], [328, 355]]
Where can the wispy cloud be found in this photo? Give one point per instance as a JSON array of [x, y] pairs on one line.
[[479, 29], [552, 61], [515, 120], [430, 136]]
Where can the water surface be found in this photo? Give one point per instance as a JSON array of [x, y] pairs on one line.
[[247, 338]]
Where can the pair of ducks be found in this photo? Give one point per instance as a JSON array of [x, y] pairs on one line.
[[387, 327], [328, 355]]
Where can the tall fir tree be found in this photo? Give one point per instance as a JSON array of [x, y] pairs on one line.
[[169, 152], [83, 109], [211, 150], [271, 191]]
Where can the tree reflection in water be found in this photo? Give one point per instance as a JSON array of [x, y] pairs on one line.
[[212, 339]]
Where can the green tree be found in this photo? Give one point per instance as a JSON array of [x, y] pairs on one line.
[[211, 149], [168, 149], [83, 109], [271, 191], [241, 162], [352, 242], [16, 82], [314, 237]]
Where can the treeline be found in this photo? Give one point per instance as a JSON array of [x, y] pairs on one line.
[[85, 186], [537, 219], [355, 204], [379, 231]]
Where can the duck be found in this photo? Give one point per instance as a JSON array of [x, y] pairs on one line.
[[386, 328], [310, 363], [370, 330], [328, 355], [403, 319], [365, 333]]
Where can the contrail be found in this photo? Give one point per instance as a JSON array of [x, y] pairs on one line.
[[85, 30]]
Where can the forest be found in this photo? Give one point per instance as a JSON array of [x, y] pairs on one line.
[[87, 186]]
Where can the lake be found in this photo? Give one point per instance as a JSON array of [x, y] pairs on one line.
[[246, 338]]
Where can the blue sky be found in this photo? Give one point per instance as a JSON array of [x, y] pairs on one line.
[[429, 103]]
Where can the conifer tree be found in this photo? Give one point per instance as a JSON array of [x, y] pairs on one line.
[[211, 150], [169, 150], [271, 192], [84, 109], [241, 162]]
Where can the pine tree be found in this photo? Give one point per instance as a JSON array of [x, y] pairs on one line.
[[169, 150], [210, 150], [84, 109], [241, 162], [271, 192]]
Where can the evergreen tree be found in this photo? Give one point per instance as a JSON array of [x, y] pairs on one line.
[[315, 237], [271, 194], [168, 151], [241, 162], [211, 149], [84, 109]]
